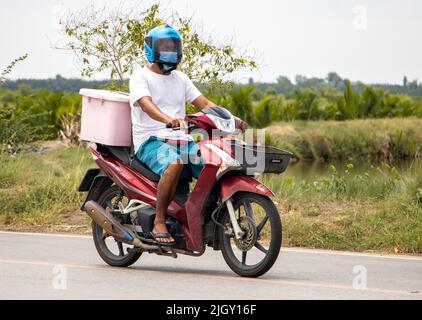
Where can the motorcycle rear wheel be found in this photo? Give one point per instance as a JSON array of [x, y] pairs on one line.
[[101, 241], [263, 214]]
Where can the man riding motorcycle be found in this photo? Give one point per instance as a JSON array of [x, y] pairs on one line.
[[140, 196], [158, 94]]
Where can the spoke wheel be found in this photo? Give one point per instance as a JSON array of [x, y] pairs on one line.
[[113, 252], [256, 252]]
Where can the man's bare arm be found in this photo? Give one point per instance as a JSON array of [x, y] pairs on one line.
[[203, 103], [155, 113]]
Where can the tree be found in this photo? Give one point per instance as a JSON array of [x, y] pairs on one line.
[[351, 105], [10, 67], [413, 84], [284, 84], [113, 42], [299, 79], [369, 102], [268, 110], [308, 104], [241, 104], [334, 79]]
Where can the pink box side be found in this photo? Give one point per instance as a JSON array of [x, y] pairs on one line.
[[106, 122]]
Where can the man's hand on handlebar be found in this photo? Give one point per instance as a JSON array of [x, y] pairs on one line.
[[244, 126], [176, 123], [240, 124]]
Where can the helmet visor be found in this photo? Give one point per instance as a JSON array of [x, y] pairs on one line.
[[168, 50]]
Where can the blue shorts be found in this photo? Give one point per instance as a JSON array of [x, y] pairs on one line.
[[157, 155]]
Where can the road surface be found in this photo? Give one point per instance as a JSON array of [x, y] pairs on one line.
[[41, 266]]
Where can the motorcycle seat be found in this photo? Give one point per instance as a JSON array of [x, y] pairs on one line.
[[123, 154]]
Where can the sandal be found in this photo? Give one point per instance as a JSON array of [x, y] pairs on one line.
[[159, 235]]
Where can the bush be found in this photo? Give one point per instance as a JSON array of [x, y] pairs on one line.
[[27, 116]]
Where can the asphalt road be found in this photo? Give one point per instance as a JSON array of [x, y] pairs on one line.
[[40, 266]]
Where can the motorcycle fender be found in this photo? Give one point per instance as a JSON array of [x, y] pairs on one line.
[[232, 184], [99, 184], [89, 177]]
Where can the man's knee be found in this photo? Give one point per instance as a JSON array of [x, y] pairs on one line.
[[175, 167]]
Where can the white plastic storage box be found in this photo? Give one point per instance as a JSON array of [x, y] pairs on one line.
[[106, 117]]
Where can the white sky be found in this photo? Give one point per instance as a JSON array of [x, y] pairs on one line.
[[370, 40]]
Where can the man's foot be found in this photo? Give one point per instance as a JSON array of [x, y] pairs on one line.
[[161, 235]]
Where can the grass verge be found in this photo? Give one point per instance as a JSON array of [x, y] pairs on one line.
[[38, 190]]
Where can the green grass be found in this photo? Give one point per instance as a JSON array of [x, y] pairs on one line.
[[35, 187], [349, 140]]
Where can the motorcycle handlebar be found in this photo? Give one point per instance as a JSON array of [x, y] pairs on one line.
[[190, 127]]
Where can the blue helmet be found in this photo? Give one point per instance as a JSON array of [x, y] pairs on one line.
[[163, 45]]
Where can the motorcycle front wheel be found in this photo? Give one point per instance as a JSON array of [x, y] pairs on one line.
[[256, 252]]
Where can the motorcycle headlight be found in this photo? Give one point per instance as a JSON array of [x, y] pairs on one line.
[[224, 125]]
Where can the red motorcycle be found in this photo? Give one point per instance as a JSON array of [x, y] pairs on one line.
[[227, 209]]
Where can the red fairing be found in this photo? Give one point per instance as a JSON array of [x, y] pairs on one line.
[[207, 154], [202, 121], [232, 184]]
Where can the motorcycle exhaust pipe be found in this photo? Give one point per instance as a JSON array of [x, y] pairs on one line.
[[113, 227]]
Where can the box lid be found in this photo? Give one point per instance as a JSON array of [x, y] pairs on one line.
[[106, 95]]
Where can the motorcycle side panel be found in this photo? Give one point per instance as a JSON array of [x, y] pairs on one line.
[[233, 184], [134, 184], [195, 207]]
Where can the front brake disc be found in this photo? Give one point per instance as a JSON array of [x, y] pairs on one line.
[[248, 241]]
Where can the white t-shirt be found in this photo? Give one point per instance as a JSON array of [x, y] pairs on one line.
[[170, 93]]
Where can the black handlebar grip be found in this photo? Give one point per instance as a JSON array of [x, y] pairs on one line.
[[169, 126]]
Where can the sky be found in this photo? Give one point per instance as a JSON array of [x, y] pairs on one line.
[[369, 40]]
